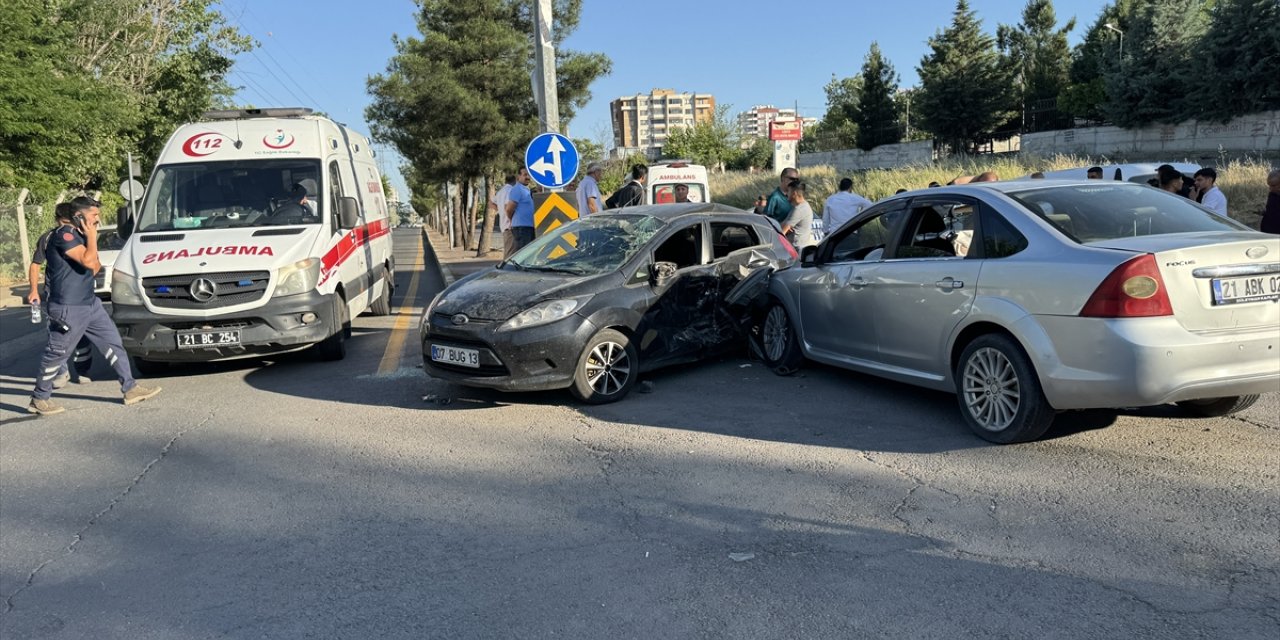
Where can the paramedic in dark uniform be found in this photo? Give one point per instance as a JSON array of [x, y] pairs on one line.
[[72, 258], [84, 350]]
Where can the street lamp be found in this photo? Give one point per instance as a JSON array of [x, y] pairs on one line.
[[1116, 29]]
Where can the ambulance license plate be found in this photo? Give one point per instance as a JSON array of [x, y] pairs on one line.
[[206, 339], [456, 356]]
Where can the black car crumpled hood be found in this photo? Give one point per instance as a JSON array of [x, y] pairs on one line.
[[498, 294]]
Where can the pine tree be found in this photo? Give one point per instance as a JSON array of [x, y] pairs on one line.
[[876, 114], [1154, 78], [1239, 59], [1039, 54], [966, 92], [1085, 96]]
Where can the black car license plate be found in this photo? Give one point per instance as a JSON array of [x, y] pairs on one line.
[[205, 339]]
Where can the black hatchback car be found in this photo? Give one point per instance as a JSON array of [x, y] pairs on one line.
[[593, 304]]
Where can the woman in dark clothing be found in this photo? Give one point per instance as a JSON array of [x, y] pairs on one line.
[[1271, 215]]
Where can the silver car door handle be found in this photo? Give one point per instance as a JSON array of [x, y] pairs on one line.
[[857, 283], [948, 284]]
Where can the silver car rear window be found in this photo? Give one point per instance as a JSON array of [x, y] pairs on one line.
[[1091, 213]]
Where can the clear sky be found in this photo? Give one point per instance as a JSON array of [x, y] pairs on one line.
[[319, 53]]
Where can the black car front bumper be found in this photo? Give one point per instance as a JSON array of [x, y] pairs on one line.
[[276, 327], [531, 359]]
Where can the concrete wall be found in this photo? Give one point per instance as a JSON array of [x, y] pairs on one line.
[[1254, 133], [883, 156], [1257, 133]]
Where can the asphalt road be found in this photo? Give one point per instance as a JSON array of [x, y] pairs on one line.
[[360, 499]]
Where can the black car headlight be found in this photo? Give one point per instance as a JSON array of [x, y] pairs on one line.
[[542, 313]]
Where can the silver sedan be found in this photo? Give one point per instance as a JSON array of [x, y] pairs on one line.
[[1030, 297]]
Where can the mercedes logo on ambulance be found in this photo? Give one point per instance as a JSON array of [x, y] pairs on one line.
[[203, 289]]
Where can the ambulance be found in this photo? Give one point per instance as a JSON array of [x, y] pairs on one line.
[[664, 177], [263, 231]]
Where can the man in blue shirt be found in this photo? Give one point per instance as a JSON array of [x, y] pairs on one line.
[[72, 258], [520, 212], [779, 205]]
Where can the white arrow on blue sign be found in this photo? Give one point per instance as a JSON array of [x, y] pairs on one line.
[[552, 160]]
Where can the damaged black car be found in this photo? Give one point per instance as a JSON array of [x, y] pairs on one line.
[[593, 304]]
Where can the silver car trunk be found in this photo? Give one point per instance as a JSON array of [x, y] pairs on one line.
[[1215, 281]]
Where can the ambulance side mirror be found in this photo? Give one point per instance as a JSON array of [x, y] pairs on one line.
[[348, 213]]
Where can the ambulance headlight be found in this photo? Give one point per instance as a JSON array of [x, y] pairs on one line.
[[299, 277], [125, 289]]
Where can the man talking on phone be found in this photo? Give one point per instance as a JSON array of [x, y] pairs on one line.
[[72, 259]]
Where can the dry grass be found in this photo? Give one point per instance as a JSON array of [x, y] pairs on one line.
[[1243, 181]]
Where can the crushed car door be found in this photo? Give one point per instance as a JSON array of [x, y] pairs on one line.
[[681, 320]]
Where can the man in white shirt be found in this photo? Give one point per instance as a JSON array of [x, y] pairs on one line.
[[588, 192], [842, 207], [1209, 193], [499, 206]]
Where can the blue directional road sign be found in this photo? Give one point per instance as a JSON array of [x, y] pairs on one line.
[[552, 160]]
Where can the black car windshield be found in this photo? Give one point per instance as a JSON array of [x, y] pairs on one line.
[[592, 246], [241, 193], [1092, 213]]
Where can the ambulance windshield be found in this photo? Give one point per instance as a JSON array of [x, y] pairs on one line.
[[227, 195]]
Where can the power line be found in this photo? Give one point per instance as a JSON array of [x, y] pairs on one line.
[[261, 91], [299, 65], [281, 83]]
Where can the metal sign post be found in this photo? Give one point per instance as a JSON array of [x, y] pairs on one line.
[[544, 68]]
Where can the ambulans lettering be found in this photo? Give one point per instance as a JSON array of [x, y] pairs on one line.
[[230, 250]]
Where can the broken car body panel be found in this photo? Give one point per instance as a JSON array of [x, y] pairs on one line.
[[662, 275]]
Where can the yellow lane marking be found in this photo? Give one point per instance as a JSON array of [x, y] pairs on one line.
[[404, 320]]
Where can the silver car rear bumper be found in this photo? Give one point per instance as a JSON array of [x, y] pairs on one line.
[[1104, 363]]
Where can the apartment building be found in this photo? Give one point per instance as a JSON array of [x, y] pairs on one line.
[[643, 121], [754, 122]]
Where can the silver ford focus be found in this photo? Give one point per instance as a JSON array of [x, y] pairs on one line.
[[1030, 297]]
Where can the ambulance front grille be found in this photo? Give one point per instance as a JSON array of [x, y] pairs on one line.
[[229, 289]]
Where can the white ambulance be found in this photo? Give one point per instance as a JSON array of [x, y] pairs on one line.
[[664, 177], [263, 231]]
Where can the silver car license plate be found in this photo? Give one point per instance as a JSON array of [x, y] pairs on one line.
[[1246, 289], [205, 339], [456, 355]]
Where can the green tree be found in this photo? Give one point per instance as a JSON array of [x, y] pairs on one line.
[[456, 102], [712, 142], [876, 114], [1239, 56], [1037, 50], [837, 129], [966, 90], [1085, 95], [911, 130], [1153, 79], [588, 150]]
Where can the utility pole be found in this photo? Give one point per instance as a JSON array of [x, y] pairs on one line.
[[544, 72]]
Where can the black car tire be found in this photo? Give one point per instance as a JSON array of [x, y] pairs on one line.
[[150, 368], [1000, 396], [334, 347], [382, 306], [1218, 407], [607, 368], [778, 343]]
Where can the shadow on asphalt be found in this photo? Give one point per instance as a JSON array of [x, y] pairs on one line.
[[230, 539]]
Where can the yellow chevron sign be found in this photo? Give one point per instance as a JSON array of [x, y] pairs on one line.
[[555, 209]]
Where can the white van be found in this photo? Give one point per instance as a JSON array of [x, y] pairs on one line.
[[663, 179], [263, 231]]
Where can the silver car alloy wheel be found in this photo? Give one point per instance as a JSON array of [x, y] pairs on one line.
[[775, 333], [608, 368], [991, 389]]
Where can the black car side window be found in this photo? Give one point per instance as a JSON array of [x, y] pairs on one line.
[[684, 247], [999, 238]]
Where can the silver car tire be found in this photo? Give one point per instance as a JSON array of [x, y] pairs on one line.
[[778, 343], [607, 368], [999, 393]]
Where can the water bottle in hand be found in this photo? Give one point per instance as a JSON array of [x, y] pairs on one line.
[[35, 314]]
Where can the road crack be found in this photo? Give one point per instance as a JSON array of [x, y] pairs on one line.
[[97, 517]]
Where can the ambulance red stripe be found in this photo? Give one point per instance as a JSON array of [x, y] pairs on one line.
[[350, 242]]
